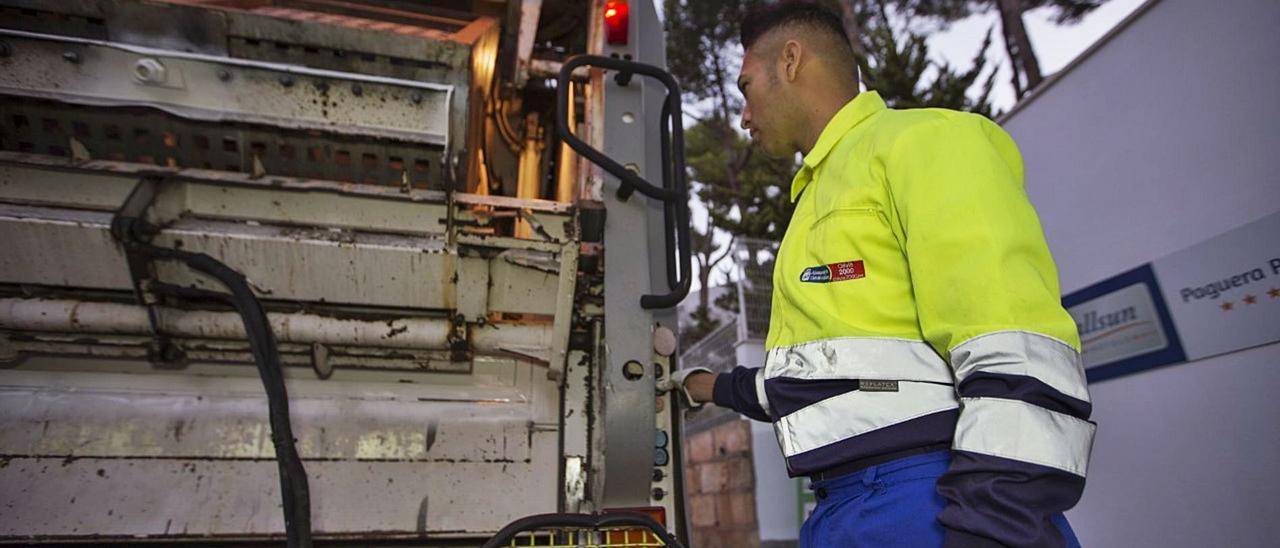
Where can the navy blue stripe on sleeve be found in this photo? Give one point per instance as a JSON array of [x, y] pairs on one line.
[[736, 390], [1023, 388]]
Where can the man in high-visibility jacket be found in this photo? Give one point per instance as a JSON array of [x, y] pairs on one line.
[[920, 367]]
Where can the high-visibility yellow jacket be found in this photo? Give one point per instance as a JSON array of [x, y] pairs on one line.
[[915, 303]]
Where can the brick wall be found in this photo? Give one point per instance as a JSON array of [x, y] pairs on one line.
[[720, 486]]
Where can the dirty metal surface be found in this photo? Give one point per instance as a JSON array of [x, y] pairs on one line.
[[315, 265], [104, 184], [211, 88], [89, 319], [153, 138], [296, 239], [169, 455]]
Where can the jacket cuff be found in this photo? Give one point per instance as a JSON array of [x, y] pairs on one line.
[[722, 391], [955, 538], [737, 390]]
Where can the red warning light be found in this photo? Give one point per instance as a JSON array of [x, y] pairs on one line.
[[615, 22]]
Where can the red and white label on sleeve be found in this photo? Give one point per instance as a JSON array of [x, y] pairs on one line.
[[851, 270], [835, 272]]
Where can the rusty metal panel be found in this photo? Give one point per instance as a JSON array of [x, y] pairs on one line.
[[525, 283], [192, 500], [311, 264], [170, 455], [89, 258], [101, 191], [152, 139], [216, 89], [227, 421]]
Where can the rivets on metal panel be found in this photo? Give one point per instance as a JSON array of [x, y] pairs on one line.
[[664, 341], [286, 81], [224, 75], [71, 57], [5, 49], [416, 97], [357, 90], [149, 71]]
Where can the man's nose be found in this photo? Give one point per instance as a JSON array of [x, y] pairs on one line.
[[746, 117]]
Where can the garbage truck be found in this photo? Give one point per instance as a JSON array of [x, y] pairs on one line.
[[339, 272]]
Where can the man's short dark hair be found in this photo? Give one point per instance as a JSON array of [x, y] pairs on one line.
[[768, 16]]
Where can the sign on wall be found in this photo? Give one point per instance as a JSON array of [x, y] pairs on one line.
[[1218, 296]]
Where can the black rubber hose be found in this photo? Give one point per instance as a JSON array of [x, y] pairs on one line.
[[294, 489]]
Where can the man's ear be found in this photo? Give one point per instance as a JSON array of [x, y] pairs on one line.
[[791, 56]]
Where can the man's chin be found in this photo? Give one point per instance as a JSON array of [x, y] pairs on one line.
[[773, 150]]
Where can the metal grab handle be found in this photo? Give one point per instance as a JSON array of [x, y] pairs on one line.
[[581, 521], [674, 192]]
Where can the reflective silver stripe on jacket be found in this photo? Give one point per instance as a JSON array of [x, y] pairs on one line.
[[878, 358], [1052, 361], [1015, 429], [1021, 431], [925, 387], [855, 413]]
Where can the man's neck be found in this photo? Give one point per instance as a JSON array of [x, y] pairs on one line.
[[821, 113]]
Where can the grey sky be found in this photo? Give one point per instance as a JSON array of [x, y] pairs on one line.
[[1055, 45]]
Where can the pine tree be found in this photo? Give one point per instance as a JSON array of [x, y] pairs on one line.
[[1026, 66], [899, 62]]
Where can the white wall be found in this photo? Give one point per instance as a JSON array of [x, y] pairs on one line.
[[1168, 135]]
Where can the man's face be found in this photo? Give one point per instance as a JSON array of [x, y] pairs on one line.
[[765, 112]]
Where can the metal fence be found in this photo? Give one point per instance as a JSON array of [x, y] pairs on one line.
[[718, 350], [715, 351], [753, 260]]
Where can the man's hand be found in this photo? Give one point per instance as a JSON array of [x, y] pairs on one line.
[[695, 384]]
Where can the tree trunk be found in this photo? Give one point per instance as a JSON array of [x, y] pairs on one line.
[[1019, 44], [1012, 52], [849, 10], [704, 278]]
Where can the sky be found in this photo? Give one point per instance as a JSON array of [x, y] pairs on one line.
[[1055, 45]]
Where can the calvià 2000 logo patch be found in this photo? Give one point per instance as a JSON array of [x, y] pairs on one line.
[[835, 272]]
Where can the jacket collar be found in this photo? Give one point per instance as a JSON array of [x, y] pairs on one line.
[[848, 117]]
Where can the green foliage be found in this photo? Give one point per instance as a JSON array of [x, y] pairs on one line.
[[728, 301], [700, 324], [898, 66], [702, 51], [744, 191]]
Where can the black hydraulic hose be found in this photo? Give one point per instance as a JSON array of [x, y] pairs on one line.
[[294, 489]]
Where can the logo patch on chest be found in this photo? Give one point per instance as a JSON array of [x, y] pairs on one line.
[[835, 272]]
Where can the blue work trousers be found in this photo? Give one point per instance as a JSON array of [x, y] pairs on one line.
[[890, 504]]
